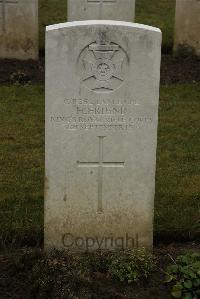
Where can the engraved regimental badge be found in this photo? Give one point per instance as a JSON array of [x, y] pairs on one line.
[[103, 66]]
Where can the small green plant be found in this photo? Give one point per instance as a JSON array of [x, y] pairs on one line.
[[19, 78], [132, 265], [184, 274], [97, 261]]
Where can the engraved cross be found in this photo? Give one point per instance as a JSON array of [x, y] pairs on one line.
[[100, 165], [3, 8], [101, 2]]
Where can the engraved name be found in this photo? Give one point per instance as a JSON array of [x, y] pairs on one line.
[[101, 113]]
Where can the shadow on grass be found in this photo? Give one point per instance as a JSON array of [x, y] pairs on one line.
[[22, 223]]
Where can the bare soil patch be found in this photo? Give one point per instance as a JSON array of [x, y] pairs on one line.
[[173, 70], [22, 276]]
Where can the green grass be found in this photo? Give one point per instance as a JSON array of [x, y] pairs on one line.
[[50, 12], [178, 170], [21, 158], [159, 13], [177, 201]]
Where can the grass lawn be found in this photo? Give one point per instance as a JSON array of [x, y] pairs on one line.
[[21, 159], [159, 13], [177, 201]]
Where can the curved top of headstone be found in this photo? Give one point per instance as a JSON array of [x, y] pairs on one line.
[[102, 22]]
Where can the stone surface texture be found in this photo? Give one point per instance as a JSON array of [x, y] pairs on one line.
[[187, 25], [79, 10], [19, 29], [102, 93]]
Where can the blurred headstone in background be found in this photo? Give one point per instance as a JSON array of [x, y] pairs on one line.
[[19, 29], [118, 10], [187, 27]]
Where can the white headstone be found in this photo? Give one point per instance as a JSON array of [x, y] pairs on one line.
[[102, 91], [187, 26], [19, 29], [79, 10]]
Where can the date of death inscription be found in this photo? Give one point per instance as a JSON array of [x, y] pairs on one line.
[[84, 114]]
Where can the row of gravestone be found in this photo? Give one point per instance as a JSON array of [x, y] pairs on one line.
[[19, 22]]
